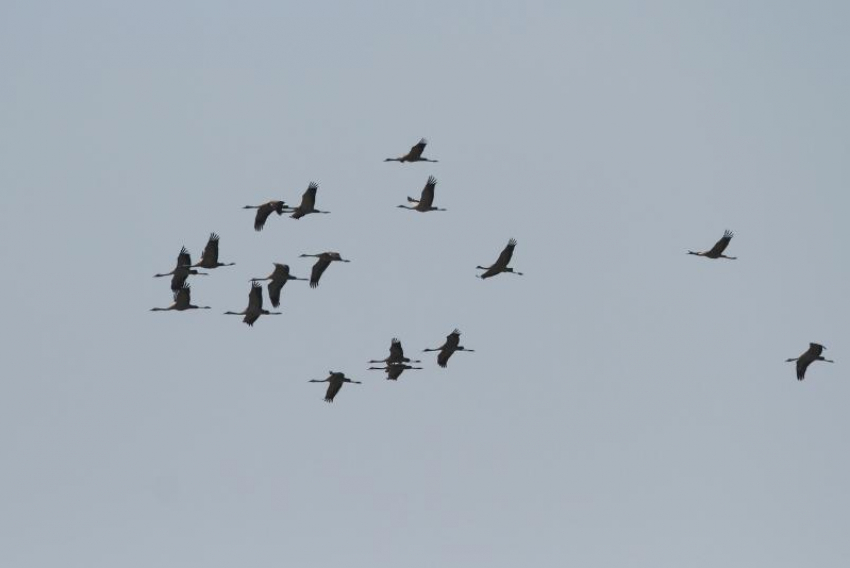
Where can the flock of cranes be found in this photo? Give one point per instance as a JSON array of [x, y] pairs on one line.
[[396, 363]]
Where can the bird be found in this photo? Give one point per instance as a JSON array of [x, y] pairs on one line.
[[322, 264], [448, 348], [255, 306], [209, 258], [718, 248], [810, 356], [308, 202], [278, 278], [182, 271], [266, 209], [396, 355], [415, 154], [394, 371], [501, 264], [335, 381], [182, 301], [426, 200]]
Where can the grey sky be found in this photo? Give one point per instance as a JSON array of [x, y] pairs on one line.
[[627, 405]]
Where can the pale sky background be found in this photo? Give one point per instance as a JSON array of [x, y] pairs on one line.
[[627, 405]]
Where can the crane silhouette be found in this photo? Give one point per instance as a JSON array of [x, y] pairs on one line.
[[415, 154], [812, 354], [266, 209], [425, 202], [182, 271], [278, 278], [182, 301], [209, 258], [718, 248], [322, 264], [396, 355], [255, 306], [335, 381], [448, 348], [308, 202], [395, 370], [501, 264]]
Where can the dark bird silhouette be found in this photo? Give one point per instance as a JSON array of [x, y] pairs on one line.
[[266, 209], [209, 258], [810, 356], [308, 202], [501, 264], [448, 348], [394, 371], [425, 202], [255, 306], [322, 264], [182, 301], [415, 154], [396, 355], [718, 248], [335, 381], [182, 271], [278, 278]]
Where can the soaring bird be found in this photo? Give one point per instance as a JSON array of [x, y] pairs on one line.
[[718, 248], [209, 258], [255, 306], [394, 371], [308, 202], [266, 209], [501, 264], [322, 264], [810, 356], [448, 348], [396, 355], [182, 271], [335, 381], [425, 202], [182, 301], [278, 278], [415, 154]]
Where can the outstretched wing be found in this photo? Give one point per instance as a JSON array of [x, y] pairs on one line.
[[263, 213], [210, 255], [720, 245], [318, 268], [184, 258], [255, 298], [443, 357], [396, 352], [333, 389], [182, 297], [178, 279], [416, 151], [492, 271], [308, 201], [506, 255], [453, 339], [275, 286], [802, 364], [427, 198]]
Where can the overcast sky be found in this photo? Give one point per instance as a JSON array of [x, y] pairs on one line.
[[627, 404]]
